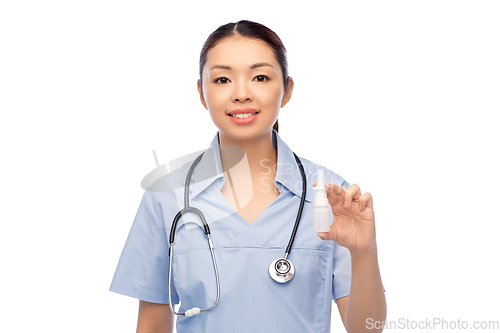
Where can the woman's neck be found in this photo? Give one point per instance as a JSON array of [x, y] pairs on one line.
[[260, 153]]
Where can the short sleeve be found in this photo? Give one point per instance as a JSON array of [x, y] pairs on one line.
[[142, 270], [341, 272], [341, 267]]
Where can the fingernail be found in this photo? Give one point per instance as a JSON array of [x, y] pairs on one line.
[[346, 204]]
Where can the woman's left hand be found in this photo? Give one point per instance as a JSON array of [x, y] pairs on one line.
[[354, 221]]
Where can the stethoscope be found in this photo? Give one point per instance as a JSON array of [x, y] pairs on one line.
[[281, 270]]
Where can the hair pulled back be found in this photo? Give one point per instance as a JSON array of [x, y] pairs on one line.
[[249, 29]]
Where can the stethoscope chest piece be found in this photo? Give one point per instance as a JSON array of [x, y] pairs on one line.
[[281, 270]]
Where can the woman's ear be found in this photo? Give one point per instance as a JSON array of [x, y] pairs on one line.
[[288, 92], [200, 91]]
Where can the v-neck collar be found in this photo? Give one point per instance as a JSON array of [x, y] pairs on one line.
[[288, 174]]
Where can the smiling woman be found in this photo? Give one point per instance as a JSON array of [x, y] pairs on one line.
[[258, 33], [242, 76], [243, 84]]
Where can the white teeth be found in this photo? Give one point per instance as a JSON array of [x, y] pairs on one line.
[[243, 115]]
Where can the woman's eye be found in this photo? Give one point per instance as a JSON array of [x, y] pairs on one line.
[[222, 80], [261, 78]]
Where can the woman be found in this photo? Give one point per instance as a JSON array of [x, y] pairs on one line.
[[250, 208]]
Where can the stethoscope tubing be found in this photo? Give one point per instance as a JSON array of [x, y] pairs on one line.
[[211, 246], [187, 209], [301, 207]]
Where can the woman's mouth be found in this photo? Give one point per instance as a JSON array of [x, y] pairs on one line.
[[242, 115]]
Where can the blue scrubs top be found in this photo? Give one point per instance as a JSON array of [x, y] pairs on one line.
[[250, 301]]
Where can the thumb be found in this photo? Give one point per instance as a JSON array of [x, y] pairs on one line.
[[329, 235]]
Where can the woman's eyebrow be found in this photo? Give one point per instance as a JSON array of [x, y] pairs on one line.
[[257, 65], [221, 67], [260, 64]]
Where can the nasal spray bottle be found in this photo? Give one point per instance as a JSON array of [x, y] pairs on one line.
[[321, 211]]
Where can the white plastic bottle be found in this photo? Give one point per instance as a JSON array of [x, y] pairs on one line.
[[321, 211]]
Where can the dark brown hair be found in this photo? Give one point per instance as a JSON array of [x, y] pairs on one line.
[[252, 30]]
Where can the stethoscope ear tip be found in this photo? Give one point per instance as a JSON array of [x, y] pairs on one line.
[[192, 312]]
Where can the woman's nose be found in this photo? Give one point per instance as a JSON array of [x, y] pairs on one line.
[[242, 93]]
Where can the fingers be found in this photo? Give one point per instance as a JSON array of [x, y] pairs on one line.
[[365, 201], [347, 197], [352, 193], [335, 193]]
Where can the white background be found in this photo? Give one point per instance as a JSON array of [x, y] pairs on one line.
[[401, 97]]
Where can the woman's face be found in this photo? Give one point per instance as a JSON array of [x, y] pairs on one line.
[[242, 76]]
